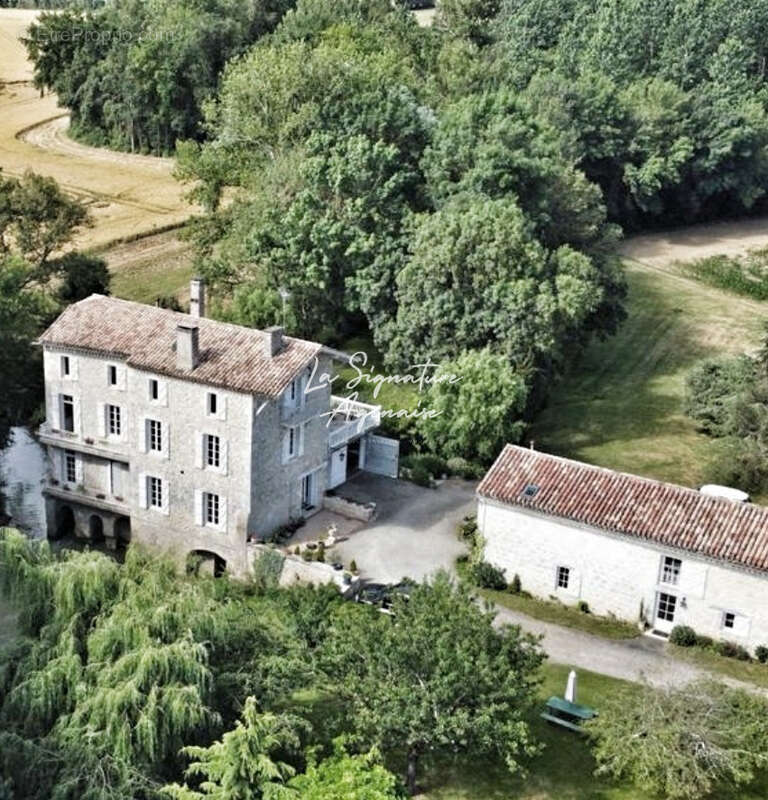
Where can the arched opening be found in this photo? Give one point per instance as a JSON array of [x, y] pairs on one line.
[[204, 562], [65, 521], [96, 528], [123, 530]]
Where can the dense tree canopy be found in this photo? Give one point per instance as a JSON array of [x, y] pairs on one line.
[[36, 221], [436, 675], [682, 744]]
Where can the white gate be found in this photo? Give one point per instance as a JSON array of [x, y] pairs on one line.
[[382, 455]]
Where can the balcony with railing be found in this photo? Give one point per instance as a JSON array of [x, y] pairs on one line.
[[350, 419], [80, 444]]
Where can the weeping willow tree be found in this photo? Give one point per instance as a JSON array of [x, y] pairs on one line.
[[119, 667]]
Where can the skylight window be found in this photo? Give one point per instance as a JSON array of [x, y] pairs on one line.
[[531, 490]]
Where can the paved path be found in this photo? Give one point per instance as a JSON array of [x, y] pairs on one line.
[[628, 659]]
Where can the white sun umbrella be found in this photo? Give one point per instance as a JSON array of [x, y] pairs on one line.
[[570, 689]]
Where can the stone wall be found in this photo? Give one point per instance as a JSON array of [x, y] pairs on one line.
[[620, 575]]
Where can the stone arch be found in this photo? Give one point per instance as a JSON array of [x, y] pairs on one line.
[[65, 521], [123, 530], [206, 562], [95, 528]]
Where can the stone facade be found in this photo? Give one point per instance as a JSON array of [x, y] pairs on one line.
[[179, 464], [625, 576]]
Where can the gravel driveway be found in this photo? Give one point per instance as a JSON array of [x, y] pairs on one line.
[[414, 531]]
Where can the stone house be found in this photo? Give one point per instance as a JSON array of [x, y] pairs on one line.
[[648, 552], [188, 434]]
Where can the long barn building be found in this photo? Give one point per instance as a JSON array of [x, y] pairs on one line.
[[646, 551]]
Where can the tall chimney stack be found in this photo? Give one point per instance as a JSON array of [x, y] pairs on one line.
[[274, 341], [197, 297], [187, 347]]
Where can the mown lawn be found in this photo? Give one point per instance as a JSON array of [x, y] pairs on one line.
[[621, 407], [560, 614], [747, 671]]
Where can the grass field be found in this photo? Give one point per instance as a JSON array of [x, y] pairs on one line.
[[563, 771], [126, 194], [621, 407]]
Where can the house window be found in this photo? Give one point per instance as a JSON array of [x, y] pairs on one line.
[[729, 620], [65, 366], [155, 492], [666, 607], [70, 466], [292, 441], [563, 577], [211, 515], [155, 435], [112, 375], [154, 389], [68, 413], [212, 451], [114, 422], [670, 570], [213, 404]]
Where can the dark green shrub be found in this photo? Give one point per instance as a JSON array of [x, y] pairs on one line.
[[464, 469], [515, 587], [732, 650], [761, 653], [583, 606], [683, 636], [353, 566], [421, 476], [705, 642], [488, 576], [468, 528], [436, 465]]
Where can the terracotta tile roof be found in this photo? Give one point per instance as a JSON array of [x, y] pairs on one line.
[[628, 504], [231, 356]]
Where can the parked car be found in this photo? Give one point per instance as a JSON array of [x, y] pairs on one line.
[[383, 595]]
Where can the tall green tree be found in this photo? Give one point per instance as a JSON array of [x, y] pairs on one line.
[[436, 675], [479, 401], [242, 765]]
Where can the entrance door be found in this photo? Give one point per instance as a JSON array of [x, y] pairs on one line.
[[666, 604], [338, 467], [308, 492]]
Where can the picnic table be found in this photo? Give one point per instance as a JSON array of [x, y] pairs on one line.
[[570, 715]]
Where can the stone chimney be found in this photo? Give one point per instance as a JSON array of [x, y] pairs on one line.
[[187, 347], [197, 297], [274, 341]]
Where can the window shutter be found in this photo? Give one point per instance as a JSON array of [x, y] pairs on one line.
[[142, 489], [73, 360], [223, 512], [166, 508], [57, 464], [222, 407], [199, 445], [162, 392], [301, 438], [143, 435], [224, 453], [55, 409], [165, 433], [101, 411], [78, 469], [741, 626], [198, 507], [76, 402], [286, 442]]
